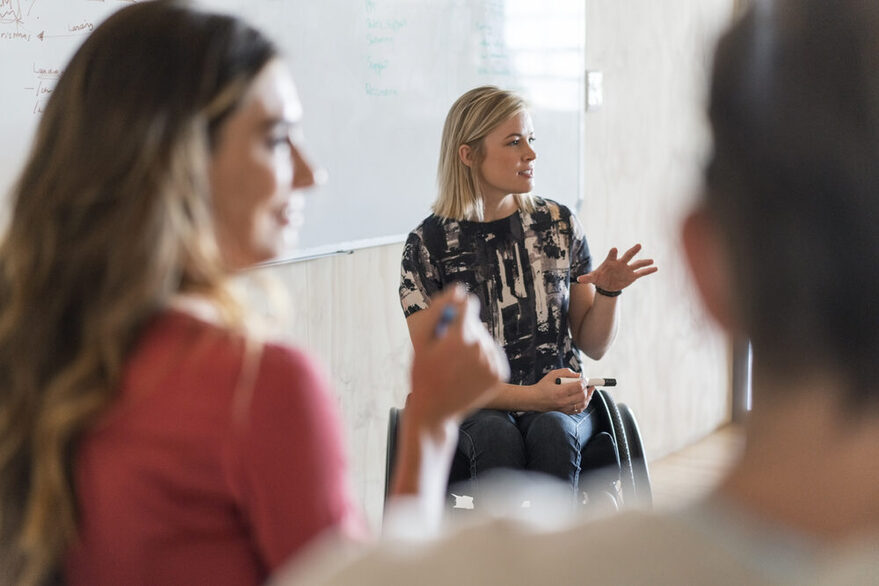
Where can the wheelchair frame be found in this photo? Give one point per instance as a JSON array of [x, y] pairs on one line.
[[615, 418]]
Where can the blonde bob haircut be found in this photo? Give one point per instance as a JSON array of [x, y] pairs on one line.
[[473, 116]]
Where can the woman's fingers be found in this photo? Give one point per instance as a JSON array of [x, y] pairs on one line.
[[630, 254], [582, 400], [456, 365], [572, 394], [645, 272], [615, 274]]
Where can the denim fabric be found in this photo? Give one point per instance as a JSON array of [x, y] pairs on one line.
[[549, 443]]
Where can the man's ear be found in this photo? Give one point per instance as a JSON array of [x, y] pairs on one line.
[[465, 153], [709, 262]]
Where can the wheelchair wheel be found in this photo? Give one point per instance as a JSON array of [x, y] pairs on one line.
[[391, 450], [614, 422], [641, 474]]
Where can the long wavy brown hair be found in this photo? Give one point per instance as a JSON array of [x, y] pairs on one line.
[[111, 217]]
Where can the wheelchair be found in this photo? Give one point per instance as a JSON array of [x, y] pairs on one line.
[[617, 427]]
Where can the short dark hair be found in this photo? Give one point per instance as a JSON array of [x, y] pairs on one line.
[[794, 182]]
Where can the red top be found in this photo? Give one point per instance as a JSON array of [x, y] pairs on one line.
[[209, 468]]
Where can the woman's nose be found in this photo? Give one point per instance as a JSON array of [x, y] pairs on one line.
[[303, 172]]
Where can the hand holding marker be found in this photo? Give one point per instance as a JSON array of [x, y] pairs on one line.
[[592, 382], [446, 318]]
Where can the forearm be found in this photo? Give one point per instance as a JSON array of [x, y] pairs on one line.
[[425, 446], [418, 487], [598, 327], [515, 398]]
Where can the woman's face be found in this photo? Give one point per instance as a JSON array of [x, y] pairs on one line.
[[258, 171], [508, 164]]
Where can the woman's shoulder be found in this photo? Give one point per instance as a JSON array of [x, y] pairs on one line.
[[429, 224], [550, 206], [431, 236], [187, 340], [200, 340], [549, 214], [285, 360]]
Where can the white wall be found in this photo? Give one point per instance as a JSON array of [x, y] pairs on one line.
[[645, 148], [643, 155]]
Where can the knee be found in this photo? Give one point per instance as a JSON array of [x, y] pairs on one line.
[[492, 442], [553, 428], [494, 430]]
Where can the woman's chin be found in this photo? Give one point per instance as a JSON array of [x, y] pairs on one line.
[[289, 239]]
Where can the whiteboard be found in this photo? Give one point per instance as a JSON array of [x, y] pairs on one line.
[[376, 78]]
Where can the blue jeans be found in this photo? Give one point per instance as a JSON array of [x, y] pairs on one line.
[[549, 443]]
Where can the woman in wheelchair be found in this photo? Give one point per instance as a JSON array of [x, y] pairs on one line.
[[526, 258]]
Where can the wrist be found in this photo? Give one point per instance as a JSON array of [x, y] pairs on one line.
[[606, 292], [424, 417], [424, 450]]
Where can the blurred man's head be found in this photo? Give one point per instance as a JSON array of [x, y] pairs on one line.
[[785, 247]]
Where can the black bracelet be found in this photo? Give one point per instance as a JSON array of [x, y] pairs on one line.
[[607, 293]]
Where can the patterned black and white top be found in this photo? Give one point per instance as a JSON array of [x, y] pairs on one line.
[[520, 267]]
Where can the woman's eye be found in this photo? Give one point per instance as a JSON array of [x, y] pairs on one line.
[[531, 140], [278, 141], [514, 142]]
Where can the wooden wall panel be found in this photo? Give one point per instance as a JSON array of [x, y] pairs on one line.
[[645, 148]]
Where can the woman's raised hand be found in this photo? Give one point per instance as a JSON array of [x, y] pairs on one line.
[[457, 365], [456, 368], [615, 274]]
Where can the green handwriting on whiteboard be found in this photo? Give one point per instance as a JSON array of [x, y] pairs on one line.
[[371, 90]]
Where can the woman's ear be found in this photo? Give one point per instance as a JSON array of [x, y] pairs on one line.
[[465, 153], [709, 263]]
